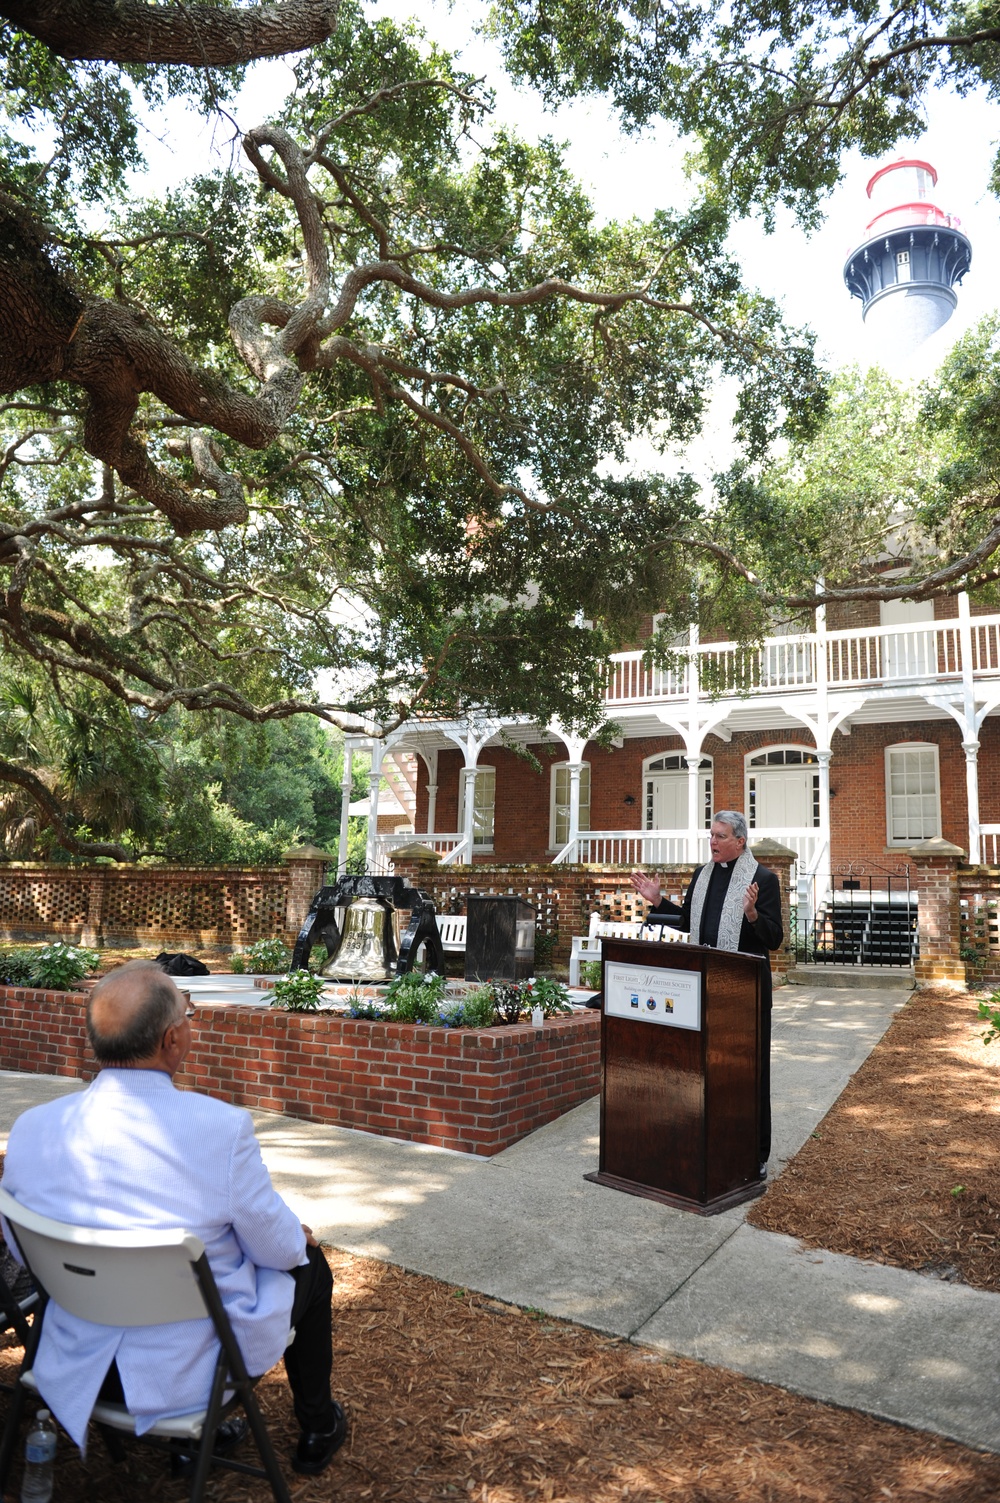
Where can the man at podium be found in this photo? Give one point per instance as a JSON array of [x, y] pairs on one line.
[[732, 903]]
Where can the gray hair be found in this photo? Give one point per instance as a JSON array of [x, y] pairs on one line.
[[154, 997], [735, 820]]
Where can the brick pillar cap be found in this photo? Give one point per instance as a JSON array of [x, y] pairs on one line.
[[306, 853], [415, 852], [935, 846], [772, 848]]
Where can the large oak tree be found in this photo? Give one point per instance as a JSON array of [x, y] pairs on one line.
[[353, 407]]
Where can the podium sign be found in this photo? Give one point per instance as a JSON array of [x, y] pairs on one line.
[[680, 1074]]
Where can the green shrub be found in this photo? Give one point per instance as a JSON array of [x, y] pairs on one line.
[[414, 998], [511, 999], [545, 945], [479, 1008], [267, 957], [237, 963], [17, 967], [990, 1013], [590, 974], [299, 991], [60, 966], [551, 996]]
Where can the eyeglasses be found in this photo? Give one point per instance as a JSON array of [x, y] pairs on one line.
[[190, 1011]]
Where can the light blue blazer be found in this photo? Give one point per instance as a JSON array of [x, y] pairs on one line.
[[132, 1151]]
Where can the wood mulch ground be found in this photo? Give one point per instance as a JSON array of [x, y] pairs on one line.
[[904, 1167], [453, 1396]]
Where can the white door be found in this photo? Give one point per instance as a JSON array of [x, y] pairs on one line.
[[784, 797], [670, 799], [908, 652]]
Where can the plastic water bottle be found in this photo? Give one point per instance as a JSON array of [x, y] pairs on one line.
[[39, 1459]]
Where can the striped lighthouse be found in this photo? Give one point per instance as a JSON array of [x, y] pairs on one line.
[[912, 254]]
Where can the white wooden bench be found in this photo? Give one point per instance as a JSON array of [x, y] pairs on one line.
[[451, 927], [588, 946]]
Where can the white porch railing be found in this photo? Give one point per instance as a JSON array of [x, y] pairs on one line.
[[634, 848], [676, 847], [446, 845], [989, 845], [878, 655]]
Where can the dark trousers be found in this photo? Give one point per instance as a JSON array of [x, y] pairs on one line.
[[309, 1359]]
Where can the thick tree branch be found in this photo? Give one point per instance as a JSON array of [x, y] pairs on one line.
[[54, 817], [131, 31]]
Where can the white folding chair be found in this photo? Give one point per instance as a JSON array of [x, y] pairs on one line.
[[136, 1279]]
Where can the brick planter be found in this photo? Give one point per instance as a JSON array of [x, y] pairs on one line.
[[477, 1090]]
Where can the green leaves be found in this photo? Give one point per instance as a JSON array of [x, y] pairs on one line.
[[774, 91]]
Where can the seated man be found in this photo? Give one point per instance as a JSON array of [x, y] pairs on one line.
[[131, 1152]]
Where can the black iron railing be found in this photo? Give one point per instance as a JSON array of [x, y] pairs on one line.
[[856, 917]]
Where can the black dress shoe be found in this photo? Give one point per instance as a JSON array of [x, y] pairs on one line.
[[230, 1434], [317, 1448]]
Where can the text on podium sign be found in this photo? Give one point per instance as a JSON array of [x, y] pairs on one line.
[[651, 994]]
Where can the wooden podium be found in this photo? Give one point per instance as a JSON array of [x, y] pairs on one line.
[[680, 1074]]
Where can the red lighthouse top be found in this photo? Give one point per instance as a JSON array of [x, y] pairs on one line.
[[901, 192]]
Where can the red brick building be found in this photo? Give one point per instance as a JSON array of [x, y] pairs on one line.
[[850, 743]]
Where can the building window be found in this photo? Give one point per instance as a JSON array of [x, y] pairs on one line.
[[902, 266], [912, 793], [778, 799], [559, 803], [666, 784], [483, 808]]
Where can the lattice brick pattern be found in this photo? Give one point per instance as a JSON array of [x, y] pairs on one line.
[[979, 930], [44, 900], [214, 904]]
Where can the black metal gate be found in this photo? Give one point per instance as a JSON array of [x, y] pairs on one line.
[[855, 916]]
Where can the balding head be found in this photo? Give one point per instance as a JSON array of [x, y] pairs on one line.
[[129, 1012]]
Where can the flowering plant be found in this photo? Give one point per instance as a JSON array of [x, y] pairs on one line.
[[299, 991], [58, 966]]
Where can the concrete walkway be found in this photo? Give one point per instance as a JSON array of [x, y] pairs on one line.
[[526, 1227]]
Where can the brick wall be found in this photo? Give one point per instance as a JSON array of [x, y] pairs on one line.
[[169, 905], [939, 962], [476, 1090], [979, 923]]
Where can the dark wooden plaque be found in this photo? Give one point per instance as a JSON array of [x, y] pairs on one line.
[[680, 1105], [499, 939]]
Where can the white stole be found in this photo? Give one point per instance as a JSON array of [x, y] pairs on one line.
[[731, 917]]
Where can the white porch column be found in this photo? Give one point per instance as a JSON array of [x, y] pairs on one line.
[[575, 770], [970, 744], [374, 782], [431, 763], [823, 756], [345, 803], [694, 806], [693, 762], [971, 749], [469, 811]]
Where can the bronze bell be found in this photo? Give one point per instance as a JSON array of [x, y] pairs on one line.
[[366, 951]]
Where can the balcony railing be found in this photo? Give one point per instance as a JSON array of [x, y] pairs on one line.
[[676, 847], [877, 656]]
